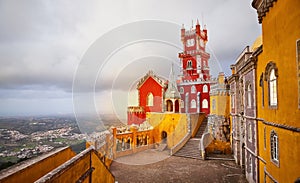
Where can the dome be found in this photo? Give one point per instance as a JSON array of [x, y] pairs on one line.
[[257, 43]]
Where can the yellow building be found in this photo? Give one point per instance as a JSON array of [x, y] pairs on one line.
[[218, 119], [278, 90]]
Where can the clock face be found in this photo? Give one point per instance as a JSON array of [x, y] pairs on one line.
[[190, 42]]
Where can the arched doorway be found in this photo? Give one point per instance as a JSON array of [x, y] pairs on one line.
[[177, 106], [169, 106], [164, 136]]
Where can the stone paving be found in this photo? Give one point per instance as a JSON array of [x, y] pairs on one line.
[[154, 166]]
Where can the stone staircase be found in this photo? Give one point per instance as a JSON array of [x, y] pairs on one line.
[[191, 148], [201, 130]]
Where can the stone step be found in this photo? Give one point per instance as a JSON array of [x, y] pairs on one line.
[[191, 148]]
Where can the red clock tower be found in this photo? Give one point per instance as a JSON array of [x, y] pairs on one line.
[[194, 83]]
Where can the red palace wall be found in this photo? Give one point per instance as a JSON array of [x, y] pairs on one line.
[[199, 88], [150, 85]]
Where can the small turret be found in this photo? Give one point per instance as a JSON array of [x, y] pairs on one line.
[[198, 28], [205, 34], [182, 33]]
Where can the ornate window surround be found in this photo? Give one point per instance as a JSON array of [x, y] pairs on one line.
[[269, 71], [274, 146]]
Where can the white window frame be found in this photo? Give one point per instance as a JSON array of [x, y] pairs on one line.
[[150, 99], [193, 104], [274, 147], [273, 88], [205, 89], [249, 97], [204, 104], [193, 89]]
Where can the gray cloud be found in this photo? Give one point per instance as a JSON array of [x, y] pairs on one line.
[[42, 42]]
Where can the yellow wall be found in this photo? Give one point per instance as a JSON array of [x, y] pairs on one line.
[[289, 160], [101, 173], [175, 124], [280, 29], [40, 168], [76, 168], [222, 105], [74, 172], [217, 145]]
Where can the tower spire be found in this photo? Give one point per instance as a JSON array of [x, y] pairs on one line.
[[172, 91]]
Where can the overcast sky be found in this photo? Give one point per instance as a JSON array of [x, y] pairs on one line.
[[42, 43]]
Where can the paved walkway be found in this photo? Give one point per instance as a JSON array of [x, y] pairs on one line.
[[154, 166]]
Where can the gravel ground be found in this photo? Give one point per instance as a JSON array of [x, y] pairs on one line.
[[154, 166]]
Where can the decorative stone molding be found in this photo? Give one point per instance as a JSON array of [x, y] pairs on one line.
[[262, 7], [159, 80]]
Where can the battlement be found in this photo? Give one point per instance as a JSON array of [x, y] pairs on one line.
[[135, 109]]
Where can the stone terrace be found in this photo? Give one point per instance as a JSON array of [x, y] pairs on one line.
[[154, 166]]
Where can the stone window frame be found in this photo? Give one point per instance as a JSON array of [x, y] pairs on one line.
[[249, 94], [272, 71], [232, 100], [249, 135], [193, 104], [182, 103], [274, 147]]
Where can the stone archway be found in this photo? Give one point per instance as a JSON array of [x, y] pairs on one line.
[[169, 106], [177, 106], [164, 136]]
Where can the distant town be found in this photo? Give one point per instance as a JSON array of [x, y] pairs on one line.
[[22, 138]]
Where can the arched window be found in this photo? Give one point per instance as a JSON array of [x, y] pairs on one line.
[[271, 74], [150, 99], [274, 146], [193, 89], [273, 88], [205, 89], [193, 103], [189, 64], [204, 104], [250, 132], [181, 89], [249, 97]]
